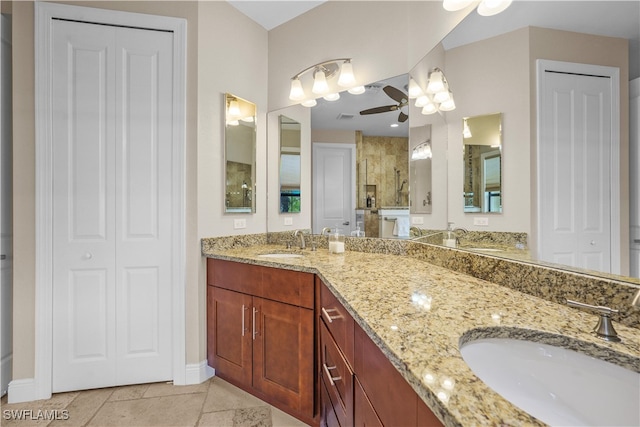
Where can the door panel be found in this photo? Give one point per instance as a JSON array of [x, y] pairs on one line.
[[334, 187], [575, 171], [112, 127]]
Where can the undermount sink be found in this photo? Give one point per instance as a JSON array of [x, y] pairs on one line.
[[556, 385], [281, 255]]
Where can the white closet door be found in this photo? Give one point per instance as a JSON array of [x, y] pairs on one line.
[[111, 199], [575, 171]]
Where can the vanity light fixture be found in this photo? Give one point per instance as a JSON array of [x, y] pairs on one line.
[[466, 132], [414, 90], [485, 7], [322, 73], [422, 151], [438, 95]]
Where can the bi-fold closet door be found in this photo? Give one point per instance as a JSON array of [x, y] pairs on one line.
[[112, 197]]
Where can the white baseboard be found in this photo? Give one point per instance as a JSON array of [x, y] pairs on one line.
[[5, 373], [24, 390], [197, 373]]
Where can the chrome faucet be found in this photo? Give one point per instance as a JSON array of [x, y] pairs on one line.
[[301, 234], [325, 230], [417, 231], [462, 231], [604, 328], [635, 302]]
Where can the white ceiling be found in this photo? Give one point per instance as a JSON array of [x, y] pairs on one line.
[[607, 18]]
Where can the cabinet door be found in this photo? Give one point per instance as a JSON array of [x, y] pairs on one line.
[[365, 415], [328, 417], [283, 354], [229, 334]]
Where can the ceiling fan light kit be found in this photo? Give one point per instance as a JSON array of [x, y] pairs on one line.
[[323, 72]]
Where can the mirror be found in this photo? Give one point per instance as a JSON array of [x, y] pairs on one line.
[[289, 165], [239, 154], [420, 174], [482, 139]]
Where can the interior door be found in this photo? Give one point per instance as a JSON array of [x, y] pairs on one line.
[[6, 223], [334, 187], [574, 167], [112, 123]]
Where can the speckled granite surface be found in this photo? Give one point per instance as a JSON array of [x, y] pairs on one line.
[[418, 313]]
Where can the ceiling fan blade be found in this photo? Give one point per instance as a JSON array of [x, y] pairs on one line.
[[395, 94], [402, 117], [377, 110]]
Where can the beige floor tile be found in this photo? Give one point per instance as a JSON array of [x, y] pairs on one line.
[[168, 389], [282, 419], [223, 396], [129, 392], [36, 413], [182, 410], [84, 407], [252, 417], [217, 419]]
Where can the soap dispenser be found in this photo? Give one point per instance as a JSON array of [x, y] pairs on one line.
[[336, 242], [449, 238]]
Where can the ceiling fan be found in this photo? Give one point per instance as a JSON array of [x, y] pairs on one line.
[[398, 96]]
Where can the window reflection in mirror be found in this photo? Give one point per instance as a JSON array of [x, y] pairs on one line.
[[289, 165], [482, 136], [240, 154]]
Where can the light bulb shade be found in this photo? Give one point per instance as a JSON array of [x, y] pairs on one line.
[[320, 85], [346, 78], [332, 97], [309, 103], [448, 105], [430, 108], [436, 82], [422, 100], [357, 90], [466, 132], [442, 96], [296, 93], [492, 7], [454, 5], [234, 109], [414, 90]]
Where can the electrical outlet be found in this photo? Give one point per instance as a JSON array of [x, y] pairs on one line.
[[417, 220], [288, 220], [481, 221], [239, 223]]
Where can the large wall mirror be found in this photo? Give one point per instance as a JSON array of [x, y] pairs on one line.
[[482, 136], [289, 164], [240, 155]]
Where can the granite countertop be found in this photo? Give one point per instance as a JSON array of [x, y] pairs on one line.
[[419, 313]]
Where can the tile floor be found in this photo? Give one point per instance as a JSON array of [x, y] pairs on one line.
[[212, 403]]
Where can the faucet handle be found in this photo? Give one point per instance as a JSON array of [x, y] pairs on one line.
[[604, 328]]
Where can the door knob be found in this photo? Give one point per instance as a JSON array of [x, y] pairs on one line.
[[593, 243], [88, 255], [345, 223], [3, 256]]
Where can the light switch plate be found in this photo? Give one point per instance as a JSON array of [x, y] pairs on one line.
[[239, 223], [288, 220], [417, 220], [481, 221]]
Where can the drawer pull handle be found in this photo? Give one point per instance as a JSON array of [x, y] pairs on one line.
[[329, 317], [255, 310], [243, 328], [332, 380]]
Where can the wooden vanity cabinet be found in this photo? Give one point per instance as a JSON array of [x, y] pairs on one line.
[[260, 333], [370, 391]]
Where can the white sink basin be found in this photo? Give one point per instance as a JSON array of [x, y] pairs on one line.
[[558, 386], [281, 255]]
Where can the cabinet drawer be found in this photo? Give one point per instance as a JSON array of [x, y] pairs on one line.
[[337, 377], [338, 321], [328, 417], [291, 287], [235, 276]]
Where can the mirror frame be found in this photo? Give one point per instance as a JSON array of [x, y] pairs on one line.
[[282, 121]]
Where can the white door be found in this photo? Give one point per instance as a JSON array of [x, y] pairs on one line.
[[334, 187], [112, 127], [634, 175], [574, 170], [6, 227]]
